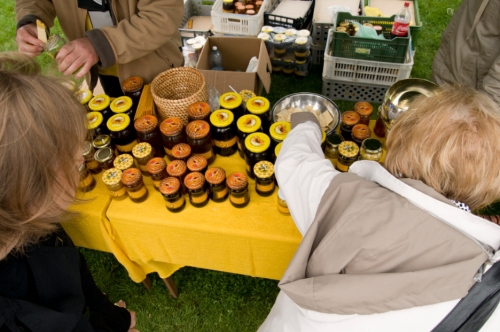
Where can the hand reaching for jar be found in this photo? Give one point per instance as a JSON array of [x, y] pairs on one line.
[[77, 57], [27, 40]]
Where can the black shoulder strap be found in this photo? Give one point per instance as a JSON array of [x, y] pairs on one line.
[[473, 310]]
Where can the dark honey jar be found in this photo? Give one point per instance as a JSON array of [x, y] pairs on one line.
[[197, 163], [122, 133], [217, 188], [105, 157], [227, 6], [122, 105], [279, 131], [264, 178], [223, 132], [198, 111], [200, 140], [157, 168], [301, 48], [88, 155], [256, 149], [360, 132], [198, 193], [132, 87], [171, 190], [238, 189], [96, 124], [87, 181], [147, 131], [247, 125], [365, 110], [84, 97], [181, 151], [100, 103], [172, 132], [349, 119], [178, 169], [132, 180], [232, 101], [259, 106]]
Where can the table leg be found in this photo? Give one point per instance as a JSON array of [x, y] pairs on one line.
[[147, 283], [171, 286]]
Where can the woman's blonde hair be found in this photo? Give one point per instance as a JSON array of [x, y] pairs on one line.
[[42, 127], [451, 142]]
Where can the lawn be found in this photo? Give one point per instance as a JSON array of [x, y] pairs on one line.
[[211, 300]]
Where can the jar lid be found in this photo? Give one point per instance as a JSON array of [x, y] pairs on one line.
[[279, 130], [196, 163], [171, 126], [118, 122], [348, 149], [301, 41], [131, 177], [228, 1], [263, 169], [334, 140], [101, 141], [257, 142], [267, 29], [146, 124], [249, 7], [132, 84], [279, 37], [277, 149], [87, 148], [176, 168], [121, 104], [123, 161], [290, 32], [197, 129], [372, 145], [142, 150], [230, 100], [247, 94], [84, 96], [303, 33], [264, 36], [361, 131], [194, 180], [350, 118], [250, 11], [112, 176], [258, 105], [221, 118], [169, 186], [323, 136], [99, 102], [237, 181], [249, 123], [103, 155], [280, 30], [363, 108], [94, 120], [181, 150], [156, 165], [215, 175], [198, 110]]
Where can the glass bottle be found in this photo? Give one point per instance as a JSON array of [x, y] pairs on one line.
[[100, 103], [279, 131], [379, 129], [198, 193], [157, 168], [256, 149], [132, 180], [102, 141], [197, 163], [171, 190], [87, 181], [238, 189], [96, 124], [181, 151], [200, 140], [105, 157], [217, 188], [223, 132], [349, 119], [282, 206], [112, 178], [172, 133], [348, 154], [54, 45], [122, 105], [84, 97], [147, 131], [259, 106], [360, 132], [365, 110], [332, 148], [371, 149], [132, 87], [264, 178], [143, 153], [178, 169], [247, 125], [198, 111], [122, 133], [88, 155], [232, 101], [123, 162]]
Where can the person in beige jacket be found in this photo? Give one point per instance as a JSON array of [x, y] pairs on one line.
[[469, 53], [142, 39], [394, 248]]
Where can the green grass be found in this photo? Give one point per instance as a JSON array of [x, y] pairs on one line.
[[211, 300]]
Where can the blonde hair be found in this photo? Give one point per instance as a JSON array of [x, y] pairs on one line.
[[42, 127], [451, 142]]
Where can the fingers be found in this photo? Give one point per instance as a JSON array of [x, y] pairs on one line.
[[132, 319], [76, 57], [27, 41]]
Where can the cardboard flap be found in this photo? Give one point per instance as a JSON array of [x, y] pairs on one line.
[[264, 68]]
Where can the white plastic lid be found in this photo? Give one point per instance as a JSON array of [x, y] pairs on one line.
[[214, 48]]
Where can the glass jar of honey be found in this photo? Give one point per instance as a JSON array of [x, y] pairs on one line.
[[227, 6], [102, 141], [232, 101], [259, 106], [256, 149], [282, 205], [279, 131], [332, 148], [288, 66], [181, 151], [172, 132], [276, 64], [301, 48], [197, 163], [348, 154], [143, 153], [88, 155], [200, 140], [279, 45], [171, 190], [224, 132], [379, 129], [100, 103], [132, 180], [371, 149], [112, 178], [123, 162], [122, 105], [147, 131], [360, 132], [365, 110], [96, 124], [157, 168], [84, 97], [122, 133], [198, 193], [198, 111], [247, 125], [132, 87], [87, 181], [258, 4], [238, 189], [217, 188], [178, 169], [105, 157], [349, 119], [264, 178]]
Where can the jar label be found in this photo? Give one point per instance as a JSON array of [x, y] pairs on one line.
[[226, 144], [156, 183], [283, 210], [128, 147], [139, 193], [199, 199], [207, 154], [92, 165], [168, 151], [221, 194], [238, 200], [175, 204], [264, 187], [341, 167], [119, 192]]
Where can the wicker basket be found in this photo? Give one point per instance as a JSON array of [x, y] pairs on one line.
[[175, 89]]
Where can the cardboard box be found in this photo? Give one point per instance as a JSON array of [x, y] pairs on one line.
[[236, 54]]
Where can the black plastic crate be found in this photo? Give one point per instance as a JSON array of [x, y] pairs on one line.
[[287, 22]]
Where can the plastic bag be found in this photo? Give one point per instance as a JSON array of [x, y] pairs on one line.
[[333, 10], [252, 65], [366, 32], [213, 97]]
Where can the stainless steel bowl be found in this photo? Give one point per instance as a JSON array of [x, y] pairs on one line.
[[303, 99], [399, 96]]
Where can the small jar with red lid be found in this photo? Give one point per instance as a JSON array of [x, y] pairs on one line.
[[171, 191], [198, 111], [360, 132], [148, 131], [264, 178], [197, 163], [217, 188], [200, 140], [224, 132], [172, 132], [181, 151], [157, 168], [178, 169], [132, 180], [365, 110], [238, 189], [198, 193], [232, 101], [349, 119], [132, 87]]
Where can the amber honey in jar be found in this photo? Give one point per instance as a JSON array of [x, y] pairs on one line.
[[227, 6], [172, 132], [332, 148], [171, 191], [197, 163], [258, 4], [87, 181], [371, 149], [100, 103], [157, 168], [282, 205], [238, 189], [264, 178], [112, 178], [122, 133], [217, 188], [224, 132], [132, 87], [96, 124], [105, 157], [198, 111], [256, 149], [143, 153], [132, 180], [379, 129], [247, 125], [102, 141], [88, 155], [349, 119], [181, 151], [178, 169], [200, 140], [232, 101], [198, 193], [84, 97], [122, 105], [279, 131], [259, 106], [147, 131], [123, 162], [348, 154], [360, 132], [365, 110]]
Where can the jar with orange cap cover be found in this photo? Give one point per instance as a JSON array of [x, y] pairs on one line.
[[178, 169], [198, 111], [200, 140], [181, 151], [238, 189], [365, 110], [349, 119], [198, 193], [132, 87], [360, 132], [171, 191], [157, 168], [217, 188], [148, 131], [197, 163], [172, 132], [132, 180]]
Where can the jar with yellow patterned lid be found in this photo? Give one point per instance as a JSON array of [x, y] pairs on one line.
[[157, 168], [232, 101], [247, 125], [87, 181], [122, 133], [197, 163], [279, 131], [88, 155], [259, 106], [132, 180], [181, 151], [105, 157], [264, 178], [122, 105], [238, 189], [123, 162], [200, 140], [245, 96], [223, 132], [148, 131], [348, 154], [171, 191], [198, 193], [112, 178], [96, 124], [143, 153], [198, 111], [178, 169], [256, 149], [100, 103], [172, 132], [84, 97], [217, 188]]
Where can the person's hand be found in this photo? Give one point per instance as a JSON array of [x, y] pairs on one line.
[[132, 322], [27, 40], [78, 56]]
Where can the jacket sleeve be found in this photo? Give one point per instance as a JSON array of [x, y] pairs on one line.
[[28, 11], [156, 22], [302, 171], [491, 82]]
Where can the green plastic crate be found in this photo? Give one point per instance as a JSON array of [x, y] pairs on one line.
[[383, 50]]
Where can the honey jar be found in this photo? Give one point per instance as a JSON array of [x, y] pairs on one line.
[[88, 155], [172, 132], [100, 103], [102, 141], [238, 189], [178, 169], [132, 87], [112, 178], [360, 132], [200, 140], [282, 205], [223, 132], [198, 193], [365, 110], [279, 131], [87, 181], [348, 154], [181, 151], [105, 157], [217, 188], [247, 125], [232, 101], [279, 45], [157, 168], [122, 133], [227, 6], [371, 149], [259, 106], [332, 148], [147, 131], [122, 105], [132, 180], [256, 149], [277, 150], [197, 163], [123, 162], [96, 124], [349, 119], [198, 111], [379, 129], [264, 178], [301, 48], [143, 153], [170, 188], [84, 97]]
